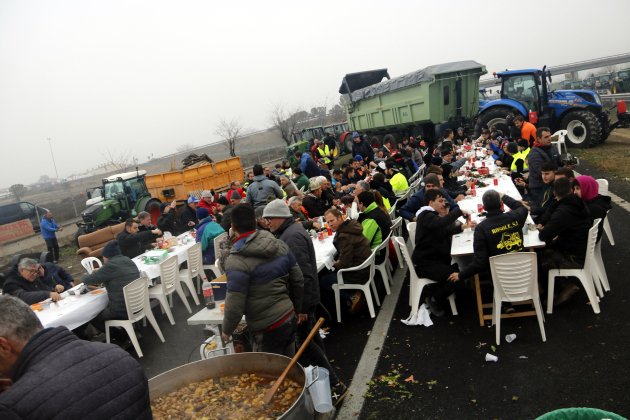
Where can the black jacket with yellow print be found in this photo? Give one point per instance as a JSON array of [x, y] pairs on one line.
[[500, 233]]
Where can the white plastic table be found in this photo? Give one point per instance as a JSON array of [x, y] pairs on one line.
[[73, 311], [152, 271], [462, 244]]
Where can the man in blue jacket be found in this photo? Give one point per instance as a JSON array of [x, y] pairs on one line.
[[49, 229]]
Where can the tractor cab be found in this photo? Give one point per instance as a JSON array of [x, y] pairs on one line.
[[125, 189]]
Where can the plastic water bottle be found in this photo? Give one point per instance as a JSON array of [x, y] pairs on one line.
[[208, 295]]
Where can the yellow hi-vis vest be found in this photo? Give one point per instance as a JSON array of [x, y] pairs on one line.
[[520, 155], [325, 154]]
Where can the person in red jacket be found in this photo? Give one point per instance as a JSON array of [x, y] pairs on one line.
[[208, 202]]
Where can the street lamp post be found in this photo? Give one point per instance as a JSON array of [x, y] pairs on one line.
[[53, 159]]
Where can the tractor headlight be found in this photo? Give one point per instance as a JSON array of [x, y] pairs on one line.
[[597, 99]]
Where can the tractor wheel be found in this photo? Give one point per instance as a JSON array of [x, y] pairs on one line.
[[583, 128], [495, 117]]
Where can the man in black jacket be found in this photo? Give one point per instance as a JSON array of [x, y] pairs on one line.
[[117, 272], [24, 282], [501, 232], [362, 147], [285, 228], [132, 242], [167, 222], [435, 227], [82, 379], [565, 230]]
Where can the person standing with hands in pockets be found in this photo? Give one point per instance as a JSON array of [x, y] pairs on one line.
[[49, 234]]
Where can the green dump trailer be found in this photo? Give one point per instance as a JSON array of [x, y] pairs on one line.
[[423, 102]]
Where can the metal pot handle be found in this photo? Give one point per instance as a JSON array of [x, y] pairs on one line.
[[315, 369]]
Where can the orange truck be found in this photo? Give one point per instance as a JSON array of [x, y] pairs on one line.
[[179, 185]]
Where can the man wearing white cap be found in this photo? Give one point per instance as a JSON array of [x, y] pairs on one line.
[[282, 224], [313, 203], [207, 202]]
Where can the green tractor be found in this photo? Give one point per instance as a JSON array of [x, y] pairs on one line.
[[120, 197]]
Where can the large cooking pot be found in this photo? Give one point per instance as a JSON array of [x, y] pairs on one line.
[[264, 364]]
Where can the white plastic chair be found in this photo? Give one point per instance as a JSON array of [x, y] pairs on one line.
[[392, 210], [560, 143], [364, 287], [383, 267], [515, 279], [216, 269], [138, 307], [195, 269], [90, 263], [411, 229], [397, 231], [603, 190], [599, 271], [169, 284], [585, 274], [417, 283]]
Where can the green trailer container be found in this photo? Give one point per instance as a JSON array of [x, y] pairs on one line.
[[422, 102]]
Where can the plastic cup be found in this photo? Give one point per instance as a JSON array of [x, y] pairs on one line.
[[510, 337], [491, 358], [320, 390]]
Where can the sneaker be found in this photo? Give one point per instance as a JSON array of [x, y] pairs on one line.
[[339, 391], [433, 307], [356, 302]]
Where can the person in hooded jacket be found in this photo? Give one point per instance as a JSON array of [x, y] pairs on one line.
[[53, 274], [587, 188], [435, 227], [207, 230], [566, 229], [308, 166], [264, 283]]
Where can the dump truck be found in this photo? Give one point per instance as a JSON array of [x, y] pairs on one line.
[[179, 185], [421, 103]]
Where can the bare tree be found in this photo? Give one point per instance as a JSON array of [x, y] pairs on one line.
[[18, 191], [285, 121], [120, 161], [186, 147], [229, 131]]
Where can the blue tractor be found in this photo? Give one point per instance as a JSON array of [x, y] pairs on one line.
[[527, 92]]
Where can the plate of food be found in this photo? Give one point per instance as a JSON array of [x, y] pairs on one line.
[[97, 292]]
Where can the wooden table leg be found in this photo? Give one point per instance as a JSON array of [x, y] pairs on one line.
[[479, 302]]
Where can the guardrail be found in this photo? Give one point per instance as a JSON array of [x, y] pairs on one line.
[[616, 97]]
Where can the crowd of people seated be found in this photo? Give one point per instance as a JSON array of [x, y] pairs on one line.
[[274, 216]]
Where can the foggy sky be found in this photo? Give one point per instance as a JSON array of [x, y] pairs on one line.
[[142, 77]]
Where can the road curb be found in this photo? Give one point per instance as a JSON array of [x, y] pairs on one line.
[[355, 399]]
